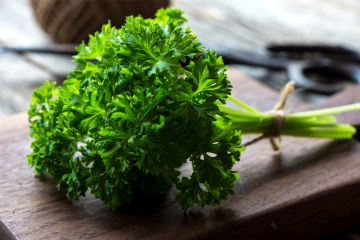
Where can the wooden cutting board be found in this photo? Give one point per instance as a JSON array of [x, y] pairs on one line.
[[309, 190]]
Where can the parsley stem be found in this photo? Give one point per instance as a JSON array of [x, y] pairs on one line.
[[243, 105], [316, 123], [326, 111], [238, 113]]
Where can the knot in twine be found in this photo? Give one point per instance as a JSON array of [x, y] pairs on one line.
[[278, 117]]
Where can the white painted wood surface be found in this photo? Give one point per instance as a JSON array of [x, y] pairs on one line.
[[250, 24], [246, 25]]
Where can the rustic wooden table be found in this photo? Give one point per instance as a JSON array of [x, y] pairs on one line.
[[222, 25], [309, 190]]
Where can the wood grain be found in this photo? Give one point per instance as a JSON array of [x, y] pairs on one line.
[[21, 74], [307, 191], [249, 25], [19, 78]]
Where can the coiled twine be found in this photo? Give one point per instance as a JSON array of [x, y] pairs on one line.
[[71, 21]]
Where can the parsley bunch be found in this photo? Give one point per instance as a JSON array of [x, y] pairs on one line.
[[132, 112]]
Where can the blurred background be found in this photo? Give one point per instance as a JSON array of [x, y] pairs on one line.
[[226, 26], [229, 26]]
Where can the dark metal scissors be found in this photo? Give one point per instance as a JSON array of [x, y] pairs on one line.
[[66, 50], [295, 60], [299, 60]]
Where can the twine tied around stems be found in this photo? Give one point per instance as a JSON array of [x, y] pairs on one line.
[[278, 116]]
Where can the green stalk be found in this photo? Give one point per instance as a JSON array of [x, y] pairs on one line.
[[316, 123], [326, 111], [242, 114], [243, 105]]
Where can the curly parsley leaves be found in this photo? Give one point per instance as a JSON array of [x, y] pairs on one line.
[[132, 119]]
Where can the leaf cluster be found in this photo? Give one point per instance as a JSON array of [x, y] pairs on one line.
[[130, 115]]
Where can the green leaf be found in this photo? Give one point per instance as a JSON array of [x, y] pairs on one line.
[[130, 115]]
